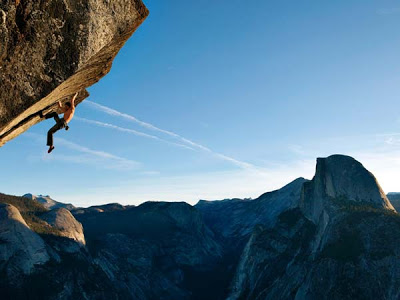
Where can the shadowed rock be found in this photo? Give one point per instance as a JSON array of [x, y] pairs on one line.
[[275, 247], [394, 198], [98, 209], [235, 218], [51, 49], [340, 179], [340, 243], [20, 248], [65, 222]]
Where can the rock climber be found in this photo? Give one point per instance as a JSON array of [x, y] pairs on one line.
[[68, 109]]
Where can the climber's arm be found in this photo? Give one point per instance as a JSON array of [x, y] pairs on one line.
[[73, 100], [61, 107]]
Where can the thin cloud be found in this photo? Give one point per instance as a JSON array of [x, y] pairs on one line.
[[131, 131], [116, 113], [388, 11], [86, 159], [90, 155], [236, 183], [392, 140], [99, 154], [297, 149]]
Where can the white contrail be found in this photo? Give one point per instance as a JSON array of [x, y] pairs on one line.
[[97, 153], [116, 113], [127, 130], [122, 162]]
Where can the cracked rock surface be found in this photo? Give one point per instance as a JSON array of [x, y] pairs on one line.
[[51, 49]]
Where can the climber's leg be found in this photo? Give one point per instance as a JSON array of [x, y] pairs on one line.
[[52, 115], [50, 133]]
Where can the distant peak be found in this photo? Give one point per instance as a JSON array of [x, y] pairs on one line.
[[48, 202], [296, 182], [342, 177], [338, 157], [393, 194]]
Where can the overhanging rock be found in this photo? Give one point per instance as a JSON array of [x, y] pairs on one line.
[[51, 49]]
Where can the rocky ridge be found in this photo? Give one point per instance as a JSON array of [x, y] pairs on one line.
[[394, 198], [334, 237], [48, 202], [334, 245], [62, 220], [21, 249], [234, 220]]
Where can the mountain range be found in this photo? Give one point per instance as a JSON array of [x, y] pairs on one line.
[[332, 237]]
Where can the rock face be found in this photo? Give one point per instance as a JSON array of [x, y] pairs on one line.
[[48, 202], [394, 198], [273, 256], [99, 208], [358, 250], [64, 221], [340, 178], [334, 237], [50, 50], [336, 245], [20, 248], [233, 221], [154, 249]]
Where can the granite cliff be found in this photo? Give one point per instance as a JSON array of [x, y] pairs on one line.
[[394, 198], [20, 247], [50, 50], [337, 244], [332, 237]]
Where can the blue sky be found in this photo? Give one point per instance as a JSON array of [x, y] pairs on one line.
[[251, 94]]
